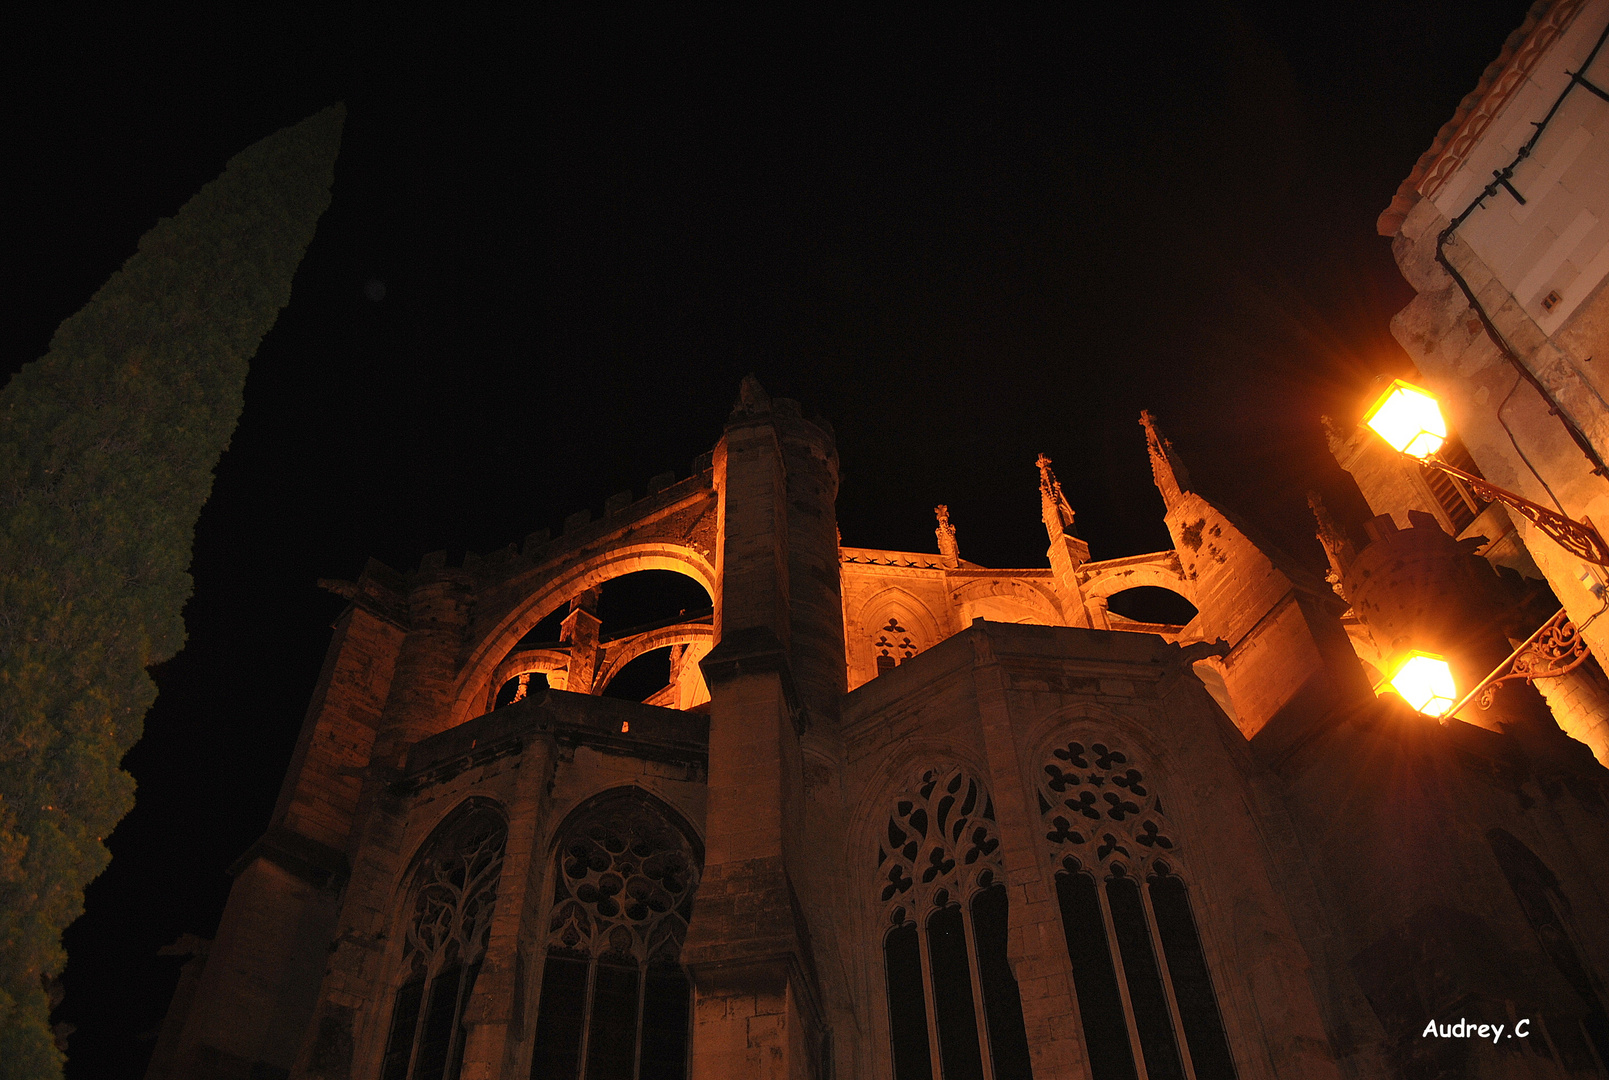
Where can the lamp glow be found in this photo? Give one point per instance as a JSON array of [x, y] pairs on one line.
[[1425, 681], [1408, 418]]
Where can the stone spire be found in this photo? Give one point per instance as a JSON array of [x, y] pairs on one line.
[[1067, 552], [1058, 515], [1337, 548], [1172, 479], [948, 548]]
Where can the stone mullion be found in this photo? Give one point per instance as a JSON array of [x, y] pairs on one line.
[[586, 1018], [1167, 980], [980, 1014], [1113, 947], [929, 992], [1037, 948]]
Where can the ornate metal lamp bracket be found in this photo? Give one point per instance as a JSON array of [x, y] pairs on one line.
[[1557, 648], [1579, 538]]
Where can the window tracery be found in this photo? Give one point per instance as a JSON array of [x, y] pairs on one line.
[[454, 895], [893, 645], [1144, 991], [954, 1007], [615, 1001]]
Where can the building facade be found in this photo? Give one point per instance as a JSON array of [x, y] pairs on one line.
[[1503, 230], [898, 816]]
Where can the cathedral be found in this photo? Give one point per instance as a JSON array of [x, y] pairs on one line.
[[898, 816]]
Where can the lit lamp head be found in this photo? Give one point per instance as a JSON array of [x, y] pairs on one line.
[[1425, 681], [1408, 418]]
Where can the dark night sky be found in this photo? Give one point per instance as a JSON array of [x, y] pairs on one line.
[[963, 238]]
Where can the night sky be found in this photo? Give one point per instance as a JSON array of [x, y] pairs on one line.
[[556, 245]]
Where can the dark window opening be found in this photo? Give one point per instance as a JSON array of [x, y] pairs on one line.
[[1002, 1001], [937, 867], [1456, 500], [1152, 1018], [1106, 1032], [611, 1051], [558, 1024], [959, 1054], [907, 1004], [1192, 984], [454, 894], [893, 645]]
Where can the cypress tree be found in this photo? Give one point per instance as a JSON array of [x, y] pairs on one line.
[[107, 448]]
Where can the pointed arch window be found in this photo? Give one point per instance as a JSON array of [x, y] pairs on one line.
[[1145, 993], [453, 897], [616, 1003], [953, 1005]]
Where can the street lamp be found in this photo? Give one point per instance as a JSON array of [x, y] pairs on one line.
[[1410, 420], [1425, 681]]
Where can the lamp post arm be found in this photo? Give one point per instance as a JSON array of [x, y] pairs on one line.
[[1579, 538], [1559, 648]]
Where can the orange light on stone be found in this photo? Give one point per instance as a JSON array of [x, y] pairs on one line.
[[1425, 681], [1409, 418]]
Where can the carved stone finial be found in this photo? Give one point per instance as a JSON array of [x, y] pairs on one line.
[[1337, 547], [946, 534], [752, 400], [1054, 507], [1172, 479]]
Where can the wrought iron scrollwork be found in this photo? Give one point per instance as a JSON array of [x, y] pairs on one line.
[[1579, 538], [1557, 648]]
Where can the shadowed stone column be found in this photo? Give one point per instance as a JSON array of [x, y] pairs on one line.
[[756, 1011], [1035, 945], [496, 1033]]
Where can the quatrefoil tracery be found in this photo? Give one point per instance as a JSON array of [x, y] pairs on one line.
[[940, 844], [625, 887], [1094, 800]]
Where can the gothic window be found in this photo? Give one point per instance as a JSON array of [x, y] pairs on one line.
[[1144, 992], [454, 894], [953, 1006], [615, 1001], [893, 645]]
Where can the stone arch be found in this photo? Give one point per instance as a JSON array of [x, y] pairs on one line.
[[1161, 574], [1007, 600], [699, 636], [553, 586], [524, 662], [911, 614]]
